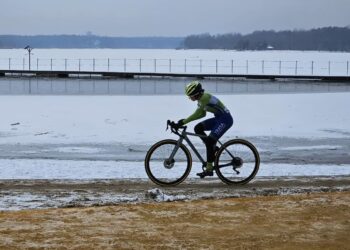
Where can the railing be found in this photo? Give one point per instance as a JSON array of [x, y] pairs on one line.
[[196, 66]]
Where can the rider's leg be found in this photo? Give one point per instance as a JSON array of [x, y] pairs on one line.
[[219, 127], [199, 129], [210, 143]]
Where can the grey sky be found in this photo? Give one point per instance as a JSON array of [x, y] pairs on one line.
[[167, 17]]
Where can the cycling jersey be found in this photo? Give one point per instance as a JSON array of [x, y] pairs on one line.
[[209, 103]]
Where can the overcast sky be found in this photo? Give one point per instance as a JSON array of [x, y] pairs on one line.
[[167, 17]]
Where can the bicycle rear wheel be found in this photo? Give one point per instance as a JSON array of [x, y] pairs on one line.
[[168, 164], [237, 162]]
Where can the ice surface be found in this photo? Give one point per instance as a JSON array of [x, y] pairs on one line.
[[142, 119]]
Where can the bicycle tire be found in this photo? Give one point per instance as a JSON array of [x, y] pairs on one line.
[[249, 164], [151, 160]]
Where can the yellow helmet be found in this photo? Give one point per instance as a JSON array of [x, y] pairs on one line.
[[193, 88]]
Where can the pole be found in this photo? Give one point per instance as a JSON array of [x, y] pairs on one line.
[[263, 66], [329, 68], [29, 57], [247, 67], [280, 67], [185, 65], [169, 65], [200, 65], [296, 67], [93, 64], [216, 66], [51, 64], [108, 67], [155, 65], [312, 68], [37, 64], [9, 63], [231, 66], [65, 64], [79, 64], [347, 68], [124, 64]]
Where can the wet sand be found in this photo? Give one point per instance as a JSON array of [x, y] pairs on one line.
[[303, 221]]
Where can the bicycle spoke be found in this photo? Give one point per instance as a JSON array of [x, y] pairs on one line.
[[166, 163], [237, 162]]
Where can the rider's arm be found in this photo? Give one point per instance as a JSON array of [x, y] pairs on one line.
[[198, 114]]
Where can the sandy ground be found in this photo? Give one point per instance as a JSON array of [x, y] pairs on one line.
[[303, 221], [41, 194]]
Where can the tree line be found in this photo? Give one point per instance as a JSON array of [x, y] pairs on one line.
[[88, 41], [328, 39]]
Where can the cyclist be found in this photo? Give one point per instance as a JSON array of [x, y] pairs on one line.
[[217, 125]]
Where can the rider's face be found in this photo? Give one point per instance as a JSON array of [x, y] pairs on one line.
[[193, 98]]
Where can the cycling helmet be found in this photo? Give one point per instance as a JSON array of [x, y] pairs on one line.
[[193, 88]]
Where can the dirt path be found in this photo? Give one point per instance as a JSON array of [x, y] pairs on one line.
[[24, 194], [304, 221]]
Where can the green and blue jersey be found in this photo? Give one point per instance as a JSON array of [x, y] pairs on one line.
[[210, 103]]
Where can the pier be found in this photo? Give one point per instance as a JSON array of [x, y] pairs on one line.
[[103, 74]]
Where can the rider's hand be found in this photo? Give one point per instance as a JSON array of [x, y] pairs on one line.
[[178, 124]]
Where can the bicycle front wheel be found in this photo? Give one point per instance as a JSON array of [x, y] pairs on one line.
[[237, 162], [168, 163]]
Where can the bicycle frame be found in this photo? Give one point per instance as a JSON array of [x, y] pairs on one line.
[[184, 136]]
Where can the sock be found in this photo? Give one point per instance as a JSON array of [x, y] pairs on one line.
[[209, 166]]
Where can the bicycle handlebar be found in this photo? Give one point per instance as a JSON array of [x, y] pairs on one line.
[[174, 129]]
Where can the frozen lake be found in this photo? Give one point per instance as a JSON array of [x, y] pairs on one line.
[[180, 61], [109, 124]]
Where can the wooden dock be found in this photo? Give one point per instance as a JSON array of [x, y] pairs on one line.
[[77, 74]]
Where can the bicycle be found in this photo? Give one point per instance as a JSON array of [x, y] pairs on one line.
[[169, 162]]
